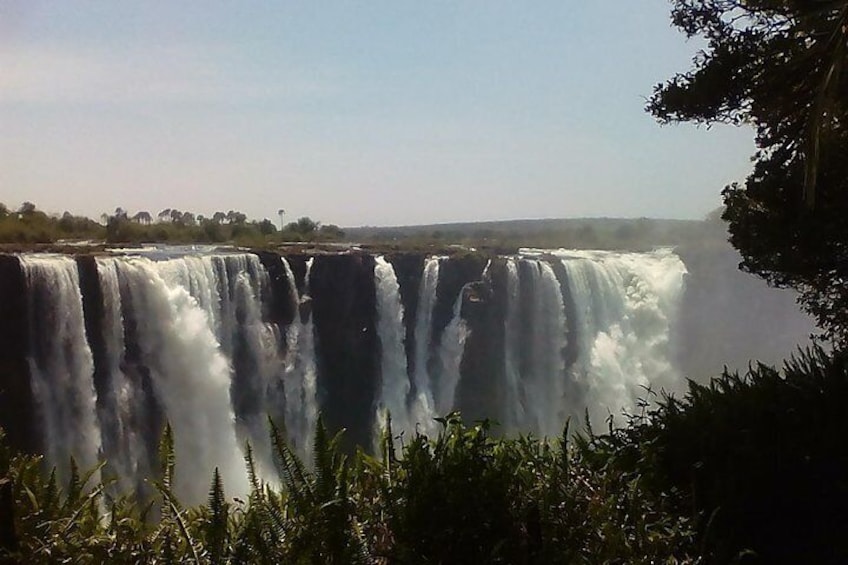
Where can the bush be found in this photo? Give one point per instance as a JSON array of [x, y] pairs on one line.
[[760, 458], [462, 497]]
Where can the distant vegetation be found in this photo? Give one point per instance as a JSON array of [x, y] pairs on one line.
[[27, 224], [636, 234]]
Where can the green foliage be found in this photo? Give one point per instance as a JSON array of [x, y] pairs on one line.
[[745, 469], [462, 497], [759, 458], [28, 225], [779, 66]]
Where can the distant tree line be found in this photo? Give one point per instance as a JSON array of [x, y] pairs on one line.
[[27, 224], [632, 234]]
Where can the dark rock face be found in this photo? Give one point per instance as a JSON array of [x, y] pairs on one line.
[[480, 392], [347, 345], [17, 405], [454, 273]]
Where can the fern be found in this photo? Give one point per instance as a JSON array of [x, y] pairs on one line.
[[216, 527]]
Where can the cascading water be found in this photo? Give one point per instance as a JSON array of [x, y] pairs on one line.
[[188, 339], [542, 381], [514, 416], [625, 304], [119, 401], [301, 376], [423, 404], [61, 363], [394, 385], [190, 375], [451, 349]]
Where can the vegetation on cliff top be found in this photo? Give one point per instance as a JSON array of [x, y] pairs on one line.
[[27, 224]]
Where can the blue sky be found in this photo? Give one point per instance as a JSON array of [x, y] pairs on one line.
[[378, 112]]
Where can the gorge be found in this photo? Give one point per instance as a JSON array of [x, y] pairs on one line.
[[98, 351]]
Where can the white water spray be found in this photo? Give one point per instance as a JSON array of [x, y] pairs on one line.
[[191, 378], [625, 305]]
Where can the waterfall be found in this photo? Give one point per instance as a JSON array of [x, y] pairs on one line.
[[189, 373], [514, 416], [544, 386], [60, 360], [194, 340], [625, 306], [301, 375], [254, 348], [451, 349], [423, 405], [395, 385], [118, 410]]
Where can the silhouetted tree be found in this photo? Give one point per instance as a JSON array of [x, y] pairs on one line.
[[778, 66]]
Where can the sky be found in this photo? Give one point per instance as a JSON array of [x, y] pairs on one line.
[[377, 112]]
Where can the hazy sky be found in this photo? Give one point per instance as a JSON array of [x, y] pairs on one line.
[[373, 112]]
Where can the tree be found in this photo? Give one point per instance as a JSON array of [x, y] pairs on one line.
[[143, 218], [266, 227], [235, 217], [27, 209], [303, 226], [778, 65], [187, 219], [331, 231], [4, 211]]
